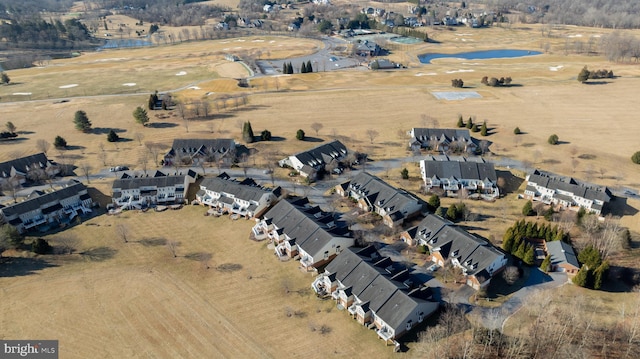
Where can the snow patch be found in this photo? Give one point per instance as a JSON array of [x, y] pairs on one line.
[[555, 68], [456, 71], [258, 40], [22, 94], [576, 35], [129, 84], [426, 74], [181, 73], [193, 88], [68, 86]]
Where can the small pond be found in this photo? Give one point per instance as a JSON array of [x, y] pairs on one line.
[[479, 55], [122, 43]]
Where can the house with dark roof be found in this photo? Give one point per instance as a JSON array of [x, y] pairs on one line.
[[454, 173], [35, 167], [394, 205], [376, 291], [144, 191], [442, 140], [299, 229], [245, 198], [567, 192], [193, 151], [42, 210], [563, 258], [367, 48], [308, 163], [448, 243]]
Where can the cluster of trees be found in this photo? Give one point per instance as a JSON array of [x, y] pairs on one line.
[[9, 238], [516, 238], [635, 158], [32, 31], [4, 78], [10, 132], [593, 271], [287, 68], [620, 47], [173, 13], [585, 74], [483, 129], [455, 212], [306, 68], [495, 82], [458, 83], [529, 210]]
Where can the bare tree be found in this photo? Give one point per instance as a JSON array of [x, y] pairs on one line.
[[172, 246], [511, 274], [86, 170], [372, 134], [139, 137], [68, 243], [143, 161], [122, 231], [317, 126], [42, 146]]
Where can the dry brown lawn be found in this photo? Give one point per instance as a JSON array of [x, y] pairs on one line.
[[142, 302]]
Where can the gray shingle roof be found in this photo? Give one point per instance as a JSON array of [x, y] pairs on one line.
[[380, 194], [157, 181], [247, 190], [193, 146], [474, 168], [21, 164], [320, 154], [38, 201], [562, 253], [571, 185]]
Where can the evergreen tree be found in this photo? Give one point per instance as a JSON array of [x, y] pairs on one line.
[[265, 135], [582, 277], [40, 246], [404, 173], [527, 210], [522, 249], [452, 213], [470, 123], [59, 142], [153, 98], [548, 214], [460, 122], [140, 115], [285, 68], [290, 68], [529, 256], [9, 237], [303, 68], [583, 76], [516, 131], [590, 256], [545, 266], [553, 139], [4, 78], [507, 240], [484, 131], [247, 132], [300, 135], [309, 66], [113, 136], [434, 202], [82, 122], [600, 274], [440, 212]]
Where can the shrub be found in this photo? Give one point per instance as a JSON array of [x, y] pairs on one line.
[[59, 142], [636, 158], [553, 139], [265, 135], [113, 136], [404, 173], [434, 202], [41, 246], [516, 131], [300, 135], [527, 210]]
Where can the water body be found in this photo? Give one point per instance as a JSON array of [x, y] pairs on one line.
[[479, 55], [124, 43]]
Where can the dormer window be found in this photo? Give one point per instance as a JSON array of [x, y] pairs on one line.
[[455, 253], [409, 323]]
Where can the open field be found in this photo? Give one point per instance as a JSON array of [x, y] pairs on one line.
[[134, 299]]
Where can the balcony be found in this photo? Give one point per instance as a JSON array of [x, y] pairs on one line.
[[306, 262], [385, 333]]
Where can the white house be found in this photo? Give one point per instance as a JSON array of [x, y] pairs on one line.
[[308, 163], [140, 192], [454, 173]]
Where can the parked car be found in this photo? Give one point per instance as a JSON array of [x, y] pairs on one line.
[[118, 168]]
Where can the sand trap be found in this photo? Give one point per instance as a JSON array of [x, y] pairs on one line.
[[237, 47], [453, 96], [22, 94], [241, 40], [129, 84], [112, 59], [456, 71], [576, 35], [68, 86], [427, 74], [272, 41], [258, 40], [464, 34], [181, 73], [555, 68], [193, 88]]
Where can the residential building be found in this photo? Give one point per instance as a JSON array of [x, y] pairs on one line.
[[376, 292], [567, 192], [563, 258], [300, 229], [44, 210], [308, 163], [197, 151], [245, 198], [367, 48], [29, 168], [454, 173], [144, 191], [374, 195], [450, 244], [442, 140]]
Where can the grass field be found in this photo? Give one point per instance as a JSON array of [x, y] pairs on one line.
[[134, 299]]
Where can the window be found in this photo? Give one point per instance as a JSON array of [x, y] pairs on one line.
[[326, 254], [338, 249], [409, 325]]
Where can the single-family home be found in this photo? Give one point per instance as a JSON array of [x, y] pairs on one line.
[[161, 188], [299, 229], [27, 169], [567, 192], [372, 194], [43, 210], [455, 173], [383, 64], [478, 259], [245, 198], [563, 258], [376, 291], [194, 151], [308, 163], [367, 48], [442, 140]]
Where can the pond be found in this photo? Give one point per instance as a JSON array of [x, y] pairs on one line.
[[122, 43], [479, 55]]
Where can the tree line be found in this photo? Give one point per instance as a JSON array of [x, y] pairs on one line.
[[173, 13]]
